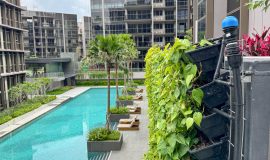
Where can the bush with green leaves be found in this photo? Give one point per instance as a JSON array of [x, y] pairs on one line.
[[125, 98], [119, 110], [103, 134], [130, 89], [24, 107], [174, 105], [60, 90]]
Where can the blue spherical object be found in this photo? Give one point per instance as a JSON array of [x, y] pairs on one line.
[[229, 22]]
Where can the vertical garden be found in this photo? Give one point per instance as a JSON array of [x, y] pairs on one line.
[[174, 101]]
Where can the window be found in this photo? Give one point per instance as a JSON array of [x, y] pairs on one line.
[[158, 12], [232, 5], [181, 27], [169, 39], [132, 28], [169, 28], [169, 2], [131, 14], [201, 29], [201, 9], [169, 15], [158, 26], [158, 39], [157, 1]]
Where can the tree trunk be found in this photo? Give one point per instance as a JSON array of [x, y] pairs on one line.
[[109, 96], [116, 79]]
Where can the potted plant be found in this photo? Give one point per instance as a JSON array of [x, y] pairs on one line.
[[104, 140], [206, 150], [118, 113], [131, 91], [215, 95], [124, 100], [206, 58]]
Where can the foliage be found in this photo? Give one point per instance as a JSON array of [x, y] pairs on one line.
[[125, 98], [119, 110], [99, 75], [174, 104], [254, 4], [205, 42], [130, 89], [24, 107], [60, 90], [21, 91], [258, 45], [103, 134], [103, 82], [133, 84], [189, 34]]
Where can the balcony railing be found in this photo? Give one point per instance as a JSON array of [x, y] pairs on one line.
[[159, 18], [159, 31], [159, 5]]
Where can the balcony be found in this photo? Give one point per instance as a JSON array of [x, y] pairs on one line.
[[161, 44], [159, 5], [159, 31], [159, 18], [137, 4]]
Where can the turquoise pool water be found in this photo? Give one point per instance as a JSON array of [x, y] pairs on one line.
[[60, 134]]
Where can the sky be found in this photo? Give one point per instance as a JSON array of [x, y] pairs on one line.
[[79, 7]]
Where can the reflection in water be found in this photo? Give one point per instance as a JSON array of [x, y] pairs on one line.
[[61, 134]]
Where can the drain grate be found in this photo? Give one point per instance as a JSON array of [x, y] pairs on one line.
[[98, 155]]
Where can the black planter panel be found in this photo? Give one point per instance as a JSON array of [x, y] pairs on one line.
[[215, 94]]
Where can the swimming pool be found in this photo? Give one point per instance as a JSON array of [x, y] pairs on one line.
[[60, 134]]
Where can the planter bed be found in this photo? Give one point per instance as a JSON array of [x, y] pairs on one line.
[[117, 117], [213, 126], [206, 58], [215, 95], [215, 151], [105, 146], [131, 93], [124, 103]]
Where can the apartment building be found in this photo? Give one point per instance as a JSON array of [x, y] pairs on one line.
[[51, 41], [208, 16], [12, 63], [86, 33], [149, 21]]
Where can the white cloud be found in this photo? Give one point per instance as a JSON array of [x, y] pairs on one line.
[[79, 7]]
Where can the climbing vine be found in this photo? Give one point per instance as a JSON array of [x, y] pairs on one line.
[[174, 104]]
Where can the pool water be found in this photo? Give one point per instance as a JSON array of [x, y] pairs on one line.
[[60, 134]]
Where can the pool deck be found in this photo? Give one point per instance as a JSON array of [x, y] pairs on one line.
[[18, 122], [135, 143]]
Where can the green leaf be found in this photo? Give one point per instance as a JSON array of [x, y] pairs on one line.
[[197, 116], [197, 95], [172, 140], [177, 93], [181, 139], [189, 122]]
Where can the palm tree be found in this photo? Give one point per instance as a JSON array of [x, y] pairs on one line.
[[102, 50]]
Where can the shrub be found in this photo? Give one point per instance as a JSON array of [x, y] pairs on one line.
[[24, 107], [103, 134], [103, 82], [125, 98], [60, 90], [130, 89], [119, 110]]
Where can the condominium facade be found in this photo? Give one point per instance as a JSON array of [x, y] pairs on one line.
[[51, 41], [148, 21], [86, 33], [12, 63], [208, 16], [49, 33]]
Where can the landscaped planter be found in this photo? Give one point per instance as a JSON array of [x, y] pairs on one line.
[[131, 93], [117, 117], [215, 94], [213, 126], [105, 146], [206, 58], [124, 102], [216, 151]]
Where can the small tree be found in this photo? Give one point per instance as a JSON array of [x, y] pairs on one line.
[[264, 4], [102, 50], [14, 94]]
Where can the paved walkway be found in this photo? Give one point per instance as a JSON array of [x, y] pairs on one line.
[[28, 117], [135, 143]]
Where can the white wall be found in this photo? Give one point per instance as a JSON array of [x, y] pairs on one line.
[[258, 19]]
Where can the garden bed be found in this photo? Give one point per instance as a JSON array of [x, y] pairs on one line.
[[24, 107], [60, 90]]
